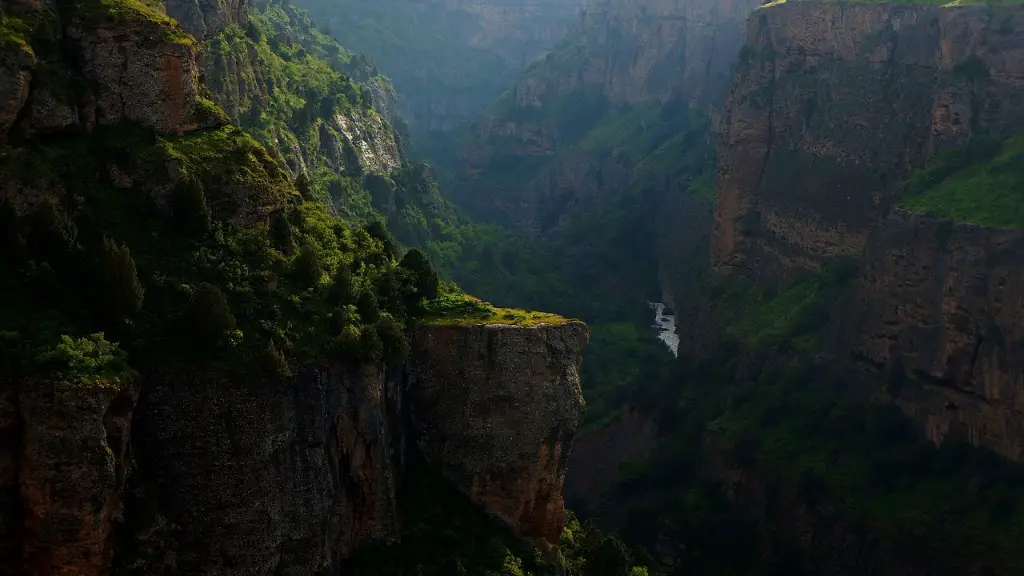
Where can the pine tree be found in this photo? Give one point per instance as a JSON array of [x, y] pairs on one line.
[[378, 230], [207, 320], [307, 266], [369, 310], [275, 364], [122, 292], [190, 209], [425, 278], [281, 233]]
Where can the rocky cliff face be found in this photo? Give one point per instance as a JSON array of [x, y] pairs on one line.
[[138, 66], [445, 80], [942, 302], [550, 129], [497, 408], [831, 106], [247, 66], [635, 51], [233, 477]]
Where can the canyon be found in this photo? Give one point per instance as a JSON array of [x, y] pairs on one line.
[[822, 193]]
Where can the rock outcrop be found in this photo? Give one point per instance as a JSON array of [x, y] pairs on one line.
[[831, 106], [497, 407]]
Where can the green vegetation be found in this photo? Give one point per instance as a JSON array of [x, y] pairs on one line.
[[90, 360], [981, 183], [171, 291], [794, 315], [305, 81], [452, 307]]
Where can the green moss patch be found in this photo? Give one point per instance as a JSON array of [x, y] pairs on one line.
[[982, 183], [454, 308]]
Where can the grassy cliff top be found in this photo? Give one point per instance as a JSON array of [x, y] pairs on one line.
[[452, 307], [982, 183]]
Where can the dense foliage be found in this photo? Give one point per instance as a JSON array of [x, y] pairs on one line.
[[206, 283]]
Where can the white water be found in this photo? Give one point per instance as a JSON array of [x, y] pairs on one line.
[[665, 324]]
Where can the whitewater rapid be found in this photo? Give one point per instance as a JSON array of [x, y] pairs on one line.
[[665, 325]]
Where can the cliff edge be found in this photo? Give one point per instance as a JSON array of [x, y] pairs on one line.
[[497, 408]]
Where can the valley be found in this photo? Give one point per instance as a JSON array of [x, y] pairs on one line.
[[581, 287]]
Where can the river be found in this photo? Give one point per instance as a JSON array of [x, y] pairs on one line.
[[665, 325]]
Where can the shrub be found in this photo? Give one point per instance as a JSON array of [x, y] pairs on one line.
[[122, 291], [307, 266], [207, 319], [346, 345], [425, 278], [281, 233], [367, 306], [275, 364], [191, 212], [392, 336], [342, 285], [371, 348], [378, 230], [302, 184], [86, 360]]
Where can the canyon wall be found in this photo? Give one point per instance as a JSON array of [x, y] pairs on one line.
[[448, 58], [191, 473], [551, 148], [832, 108]]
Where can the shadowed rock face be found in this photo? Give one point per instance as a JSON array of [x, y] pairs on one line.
[[65, 460], [249, 477], [830, 109], [497, 407], [832, 105], [635, 51], [945, 303]]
